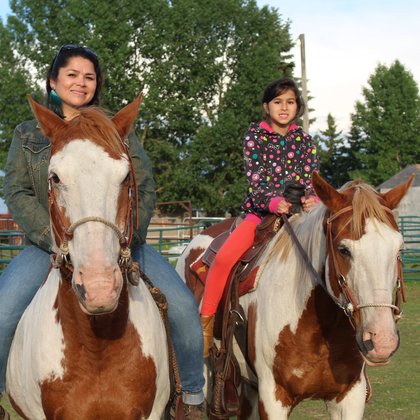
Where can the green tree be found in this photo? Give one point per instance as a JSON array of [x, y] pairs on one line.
[[386, 127], [212, 170], [201, 65], [15, 85], [332, 154]]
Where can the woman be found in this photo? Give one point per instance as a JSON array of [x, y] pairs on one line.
[[276, 152], [74, 80]]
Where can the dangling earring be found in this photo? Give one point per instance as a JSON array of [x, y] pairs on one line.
[[55, 99]]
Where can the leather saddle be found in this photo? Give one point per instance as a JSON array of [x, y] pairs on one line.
[[245, 268]]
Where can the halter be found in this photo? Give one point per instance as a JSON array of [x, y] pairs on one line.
[[63, 231], [350, 306]]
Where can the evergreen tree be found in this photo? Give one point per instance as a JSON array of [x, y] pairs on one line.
[[385, 135], [332, 154]]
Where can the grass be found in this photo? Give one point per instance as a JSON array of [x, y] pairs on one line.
[[395, 386]]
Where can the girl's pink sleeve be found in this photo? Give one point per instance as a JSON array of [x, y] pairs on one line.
[[274, 202]]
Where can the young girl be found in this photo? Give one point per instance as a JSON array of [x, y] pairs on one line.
[[276, 152]]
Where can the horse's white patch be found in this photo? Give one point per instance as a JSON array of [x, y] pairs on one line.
[[146, 319], [86, 171], [298, 372], [199, 242], [37, 350], [350, 406], [280, 286], [374, 255]]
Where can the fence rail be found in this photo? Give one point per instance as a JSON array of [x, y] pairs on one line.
[[170, 241], [410, 229]]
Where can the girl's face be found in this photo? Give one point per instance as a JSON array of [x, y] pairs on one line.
[[75, 85], [281, 111]]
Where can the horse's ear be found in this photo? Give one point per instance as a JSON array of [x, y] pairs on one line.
[[393, 197], [326, 193], [49, 122], [123, 119]]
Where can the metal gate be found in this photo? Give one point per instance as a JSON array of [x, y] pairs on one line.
[[410, 229]]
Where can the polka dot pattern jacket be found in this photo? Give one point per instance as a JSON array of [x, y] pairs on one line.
[[272, 160]]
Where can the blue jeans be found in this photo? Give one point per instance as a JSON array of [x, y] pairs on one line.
[[23, 276]]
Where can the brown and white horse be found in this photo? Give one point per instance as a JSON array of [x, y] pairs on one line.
[[90, 345], [310, 332]]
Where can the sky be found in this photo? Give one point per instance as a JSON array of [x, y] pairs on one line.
[[345, 40]]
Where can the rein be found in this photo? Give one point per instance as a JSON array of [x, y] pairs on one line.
[[351, 306]]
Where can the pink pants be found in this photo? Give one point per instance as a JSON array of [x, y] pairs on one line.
[[239, 241]]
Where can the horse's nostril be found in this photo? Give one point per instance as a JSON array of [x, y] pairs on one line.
[[81, 290], [368, 344]]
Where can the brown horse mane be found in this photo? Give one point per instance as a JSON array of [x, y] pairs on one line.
[[92, 123], [366, 203]]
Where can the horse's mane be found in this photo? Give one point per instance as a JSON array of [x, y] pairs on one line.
[[367, 203], [308, 227], [93, 123]]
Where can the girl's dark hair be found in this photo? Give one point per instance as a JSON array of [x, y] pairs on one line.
[[279, 86], [61, 59]]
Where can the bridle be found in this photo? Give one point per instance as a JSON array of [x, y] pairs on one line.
[[350, 306], [63, 231]]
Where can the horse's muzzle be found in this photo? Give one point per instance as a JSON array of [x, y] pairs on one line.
[[98, 291], [377, 351]]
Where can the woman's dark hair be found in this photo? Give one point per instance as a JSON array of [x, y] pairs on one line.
[[277, 87], [61, 59]]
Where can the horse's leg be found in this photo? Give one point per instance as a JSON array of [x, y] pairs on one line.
[[352, 406], [270, 408], [249, 402]]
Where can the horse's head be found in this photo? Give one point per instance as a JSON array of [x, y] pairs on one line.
[[363, 264], [91, 188]]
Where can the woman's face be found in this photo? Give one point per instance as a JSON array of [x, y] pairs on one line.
[[282, 110], [75, 84]]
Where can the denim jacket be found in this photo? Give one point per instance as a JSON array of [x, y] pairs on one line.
[[26, 185]]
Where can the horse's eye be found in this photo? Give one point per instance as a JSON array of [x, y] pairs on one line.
[[126, 179], [344, 251], [54, 178]]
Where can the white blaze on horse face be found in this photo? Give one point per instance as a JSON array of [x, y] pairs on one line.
[[372, 278], [90, 183]]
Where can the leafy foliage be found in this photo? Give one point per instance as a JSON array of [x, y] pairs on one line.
[[201, 65], [385, 134], [15, 86]]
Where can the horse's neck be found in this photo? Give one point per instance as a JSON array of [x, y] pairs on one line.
[[283, 264], [93, 329]]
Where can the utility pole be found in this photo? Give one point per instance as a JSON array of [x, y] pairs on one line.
[[304, 81]]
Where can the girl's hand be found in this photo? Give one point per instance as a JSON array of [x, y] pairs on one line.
[[283, 207], [308, 203]]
